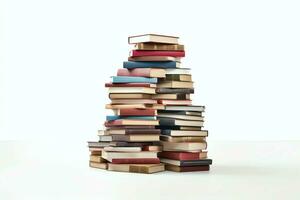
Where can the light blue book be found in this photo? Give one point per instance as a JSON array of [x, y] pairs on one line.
[[133, 79], [116, 117]]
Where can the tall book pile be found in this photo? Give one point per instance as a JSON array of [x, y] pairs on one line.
[[153, 125]]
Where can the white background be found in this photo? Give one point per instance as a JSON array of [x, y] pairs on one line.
[[58, 54]]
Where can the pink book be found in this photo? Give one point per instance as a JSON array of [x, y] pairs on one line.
[[137, 53]]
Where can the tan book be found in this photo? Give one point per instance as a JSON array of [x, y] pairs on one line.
[[98, 165], [189, 128], [141, 106], [159, 47], [137, 168], [126, 155], [97, 158], [133, 101], [175, 84], [136, 138], [184, 146], [122, 90], [130, 96], [182, 138], [123, 149], [154, 58], [152, 148], [179, 77], [171, 96], [155, 38], [124, 122], [96, 153], [185, 117]]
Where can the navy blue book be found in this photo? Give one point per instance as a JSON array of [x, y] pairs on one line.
[[133, 79], [161, 64]]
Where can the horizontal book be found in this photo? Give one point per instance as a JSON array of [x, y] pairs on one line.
[[154, 58], [127, 90], [199, 133], [154, 148], [123, 149], [132, 79], [97, 158], [135, 112], [98, 165], [181, 128], [98, 144], [131, 131], [183, 155], [174, 84], [175, 102], [185, 71], [151, 85], [182, 138], [180, 112], [186, 163], [174, 90], [116, 117], [137, 53], [113, 155], [130, 96], [153, 38], [137, 168], [179, 77], [133, 101], [186, 169], [171, 96], [135, 161], [123, 122], [97, 152], [129, 144], [184, 117], [184, 146], [143, 72], [186, 108], [179, 122], [131, 127], [164, 64], [135, 137], [136, 106], [158, 47]]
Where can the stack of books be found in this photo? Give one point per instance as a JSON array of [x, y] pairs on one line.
[[153, 125]]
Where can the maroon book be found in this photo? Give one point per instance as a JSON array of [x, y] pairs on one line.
[[187, 169], [137, 53], [135, 161], [137, 112], [179, 155], [133, 127], [128, 85]]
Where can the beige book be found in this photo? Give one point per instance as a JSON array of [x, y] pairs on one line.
[[159, 47], [133, 101], [154, 58], [123, 149], [156, 38], [175, 84], [185, 117], [130, 96], [97, 158], [179, 77], [98, 165], [171, 96], [137, 168], [144, 90], [184, 146], [182, 138], [120, 155]]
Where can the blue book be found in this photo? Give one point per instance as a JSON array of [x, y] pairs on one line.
[[133, 79], [161, 64], [115, 117]]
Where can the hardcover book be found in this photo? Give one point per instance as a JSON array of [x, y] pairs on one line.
[[164, 64]]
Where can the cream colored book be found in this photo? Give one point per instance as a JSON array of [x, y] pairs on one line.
[[155, 38], [137, 168], [123, 155], [126, 90], [184, 146], [98, 165], [175, 84], [130, 96], [158, 47]]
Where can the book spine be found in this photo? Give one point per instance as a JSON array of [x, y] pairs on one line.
[[136, 161], [137, 112], [137, 53]]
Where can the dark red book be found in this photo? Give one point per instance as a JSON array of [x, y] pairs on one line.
[[135, 161], [137, 112], [129, 85], [187, 169], [179, 155], [137, 53]]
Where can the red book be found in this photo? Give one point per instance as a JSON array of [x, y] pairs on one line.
[[179, 155], [187, 169], [135, 160], [129, 85], [144, 72], [137, 112], [136, 53]]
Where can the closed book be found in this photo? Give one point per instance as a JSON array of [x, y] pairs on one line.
[[177, 70], [199, 133], [137, 168], [186, 169], [182, 155], [135, 161], [116, 117], [133, 101], [171, 96], [136, 53], [131, 127], [152, 85], [130, 96], [135, 137], [164, 65], [131, 131], [154, 58], [179, 122], [133, 79], [98, 165], [159, 47], [126, 90], [181, 128], [136, 106], [186, 163], [174, 84], [175, 102], [154, 148], [144, 72], [155, 38], [136, 112], [186, 108], [184, 146], [123, 122], [123, 149], [184, 117], [98, 144], [182, 138], [180, 112], [179, 77], [113, 155], [97, 158], [174, 90]]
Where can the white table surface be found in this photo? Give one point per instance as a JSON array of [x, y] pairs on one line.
[[240, 170]]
